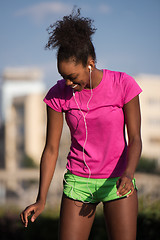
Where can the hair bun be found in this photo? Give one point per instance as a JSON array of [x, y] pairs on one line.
[[73, 30]]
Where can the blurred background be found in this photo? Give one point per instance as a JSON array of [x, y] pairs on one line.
[[128, 40]]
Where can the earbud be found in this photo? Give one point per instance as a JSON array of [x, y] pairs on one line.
[[90, 69]]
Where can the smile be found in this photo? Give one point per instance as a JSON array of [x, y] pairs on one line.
[[74, 86]]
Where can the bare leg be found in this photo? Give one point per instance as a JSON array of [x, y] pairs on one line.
[[121, 218], [76, 219]]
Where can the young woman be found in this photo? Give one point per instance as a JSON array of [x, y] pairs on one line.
[[100, 165]]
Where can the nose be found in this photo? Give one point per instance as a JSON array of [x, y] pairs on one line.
[[69, 82]]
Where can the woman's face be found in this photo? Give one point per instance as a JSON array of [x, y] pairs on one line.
[[76, 75]]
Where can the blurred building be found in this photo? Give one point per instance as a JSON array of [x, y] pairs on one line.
[[22, 116], [150, 108], [23, 130]]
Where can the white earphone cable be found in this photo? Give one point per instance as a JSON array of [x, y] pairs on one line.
[[85, 123]]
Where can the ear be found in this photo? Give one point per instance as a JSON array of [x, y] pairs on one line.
[[91, 64]]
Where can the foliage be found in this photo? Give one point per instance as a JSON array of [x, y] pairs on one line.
[[148, 226], [147, 207], [147, 165], [148, 219], [28, 162]]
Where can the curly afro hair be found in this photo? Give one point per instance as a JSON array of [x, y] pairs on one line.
[[72, 37]]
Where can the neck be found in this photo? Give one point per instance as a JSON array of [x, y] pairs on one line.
[[96, 77]]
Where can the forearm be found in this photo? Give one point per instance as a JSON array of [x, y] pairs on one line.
[[133, 155], [47, 167]]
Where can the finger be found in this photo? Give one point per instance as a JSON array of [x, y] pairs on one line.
[[21, 217], [128, 191], [121, 185], [126, 188], [118, 183], [35, 215], [131, 192], [26, 214]]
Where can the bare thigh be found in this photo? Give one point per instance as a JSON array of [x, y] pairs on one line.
[[76, 219], [121, 218]]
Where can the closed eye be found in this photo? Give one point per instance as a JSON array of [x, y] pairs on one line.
[[72, 79], [69, 77]]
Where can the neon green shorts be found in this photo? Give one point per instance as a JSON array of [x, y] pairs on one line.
[[91, 190]]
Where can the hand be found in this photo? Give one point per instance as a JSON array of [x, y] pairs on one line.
[[125, 185], [34, 210]]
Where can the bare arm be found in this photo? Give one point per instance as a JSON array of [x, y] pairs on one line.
[[133, 123], [50, 153], [47, 165]]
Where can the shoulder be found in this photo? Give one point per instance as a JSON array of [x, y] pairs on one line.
[[60, 85], [114, 79], [118, 77], [59, 90], [122, 84], [115, 76], [58, 95]]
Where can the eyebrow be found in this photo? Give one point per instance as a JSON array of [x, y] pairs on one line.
[[70, 75]]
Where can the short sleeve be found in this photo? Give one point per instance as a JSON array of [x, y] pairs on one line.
[[130, 88], [52, 99]]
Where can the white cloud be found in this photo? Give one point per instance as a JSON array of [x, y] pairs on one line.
[[41, 11], [103, 8]]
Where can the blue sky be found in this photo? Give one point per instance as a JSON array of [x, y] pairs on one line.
[[127, 37]]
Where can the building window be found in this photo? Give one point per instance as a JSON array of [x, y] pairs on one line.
[[154, 121], [19, 122], [155, 140], [153, 101]]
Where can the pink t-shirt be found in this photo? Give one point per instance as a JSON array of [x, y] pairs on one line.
[[105, 150]]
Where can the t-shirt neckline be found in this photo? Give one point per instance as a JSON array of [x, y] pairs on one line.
[[98, 86]]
